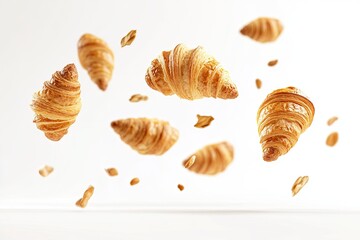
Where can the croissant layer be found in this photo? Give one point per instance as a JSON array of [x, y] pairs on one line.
[[97, 58], [57, 105], [263, 29], [212, 159], [283, 116], [146, 136], [190, 74]]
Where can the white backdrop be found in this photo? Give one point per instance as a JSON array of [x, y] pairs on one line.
[[318, 52]]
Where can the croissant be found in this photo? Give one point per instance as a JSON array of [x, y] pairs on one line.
[[212, 159], [190, 74], [281, 118], [58, 104], [146, 136], [263, 29], [97, 58]]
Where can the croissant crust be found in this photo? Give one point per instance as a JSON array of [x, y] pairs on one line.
[[190, 74], [58, 104], [146, 136], [283, 116]]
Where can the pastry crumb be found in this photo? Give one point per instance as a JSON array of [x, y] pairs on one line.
[[112, 172], [272, 63], [82, 202], [128, 39], [134, 181], [46, 170], [203, 121], [138, 98], [258, 83], [332, 139], [180, 187], [299, 184], [332, 120]]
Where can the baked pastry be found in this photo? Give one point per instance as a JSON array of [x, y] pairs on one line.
[[263, 29], [212, 159], [57, 105], [190, 74], [97, 58], [146, 136], [283, 116]]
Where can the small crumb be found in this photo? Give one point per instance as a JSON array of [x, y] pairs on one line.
[[203, 121], [332, 120], [112, 172], [258, 83], [82, 202], [299, 184], [180, 187], [46, 170], [272, 63], [128, 39], [190, 162], [332, 139], [138, 98], [134, 181]]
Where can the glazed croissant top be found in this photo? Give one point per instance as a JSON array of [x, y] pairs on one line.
[[263, 29], [281, 118], [97, 58], [190, 74], [58, 104]]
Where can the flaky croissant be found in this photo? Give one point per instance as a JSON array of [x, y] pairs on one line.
[[97, 58], [58, 104], [190, 74], [263, 29], [146, 136], [281, 118], [212, 159]]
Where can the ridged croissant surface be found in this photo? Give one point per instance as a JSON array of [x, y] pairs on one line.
[[263, 29], [190, 74], [97, 58], [281, 118], [58, 104], [146, 136], [212, 159]]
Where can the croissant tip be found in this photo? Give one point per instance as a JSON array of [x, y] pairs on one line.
[[53, 137], [70, 72], [270, 154], [102, 84], [243, 31]]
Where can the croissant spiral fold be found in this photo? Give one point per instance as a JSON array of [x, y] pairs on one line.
[[146, 136], [190, 74], [58, 104], [283, 116], [97, 58], [212, 159], [263, 29]]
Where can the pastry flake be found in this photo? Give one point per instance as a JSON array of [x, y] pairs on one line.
[[332, 120], [46, 170], [272, 63], [332, 139], [134, 181], [180, 187], [138, 98], [112, 172], [82, 202], [258, 83], [128, 39], [190, 74], [203, 121], [299, 184]]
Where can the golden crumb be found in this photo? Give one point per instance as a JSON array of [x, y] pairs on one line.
[[258, 83], [128, 39], [190, 162], [46, 170], [134, 181], [138, 98], [272, 63], [203, 121], [112, 172], [332, 120], [299, 184], [332, 139], [82, 202], [180, 187]]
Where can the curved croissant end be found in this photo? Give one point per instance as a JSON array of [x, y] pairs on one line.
[[58, 104], [281, 118], [263, 29], [97, 58], [212, 159], [146, 136], [190, 74]]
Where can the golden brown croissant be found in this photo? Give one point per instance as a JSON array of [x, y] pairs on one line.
[[97, 58], [190, 74], [281, 118], [58, 104], [263, 29], [146, 136], [212, 159]]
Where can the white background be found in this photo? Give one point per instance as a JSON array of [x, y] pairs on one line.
[[318, 52]]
